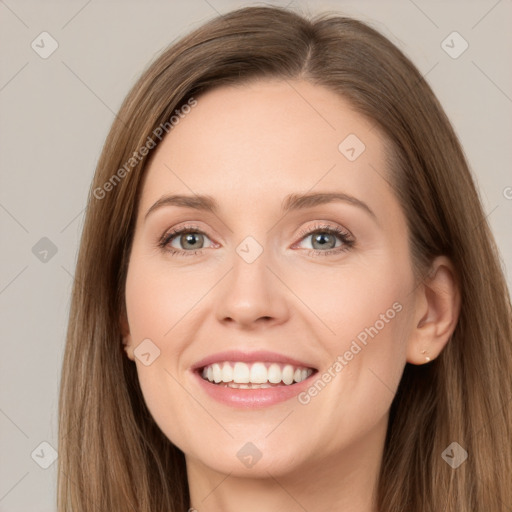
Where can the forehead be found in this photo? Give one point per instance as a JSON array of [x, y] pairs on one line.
[[265, 139]]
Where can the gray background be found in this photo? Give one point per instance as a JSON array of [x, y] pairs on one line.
[[56, 112]]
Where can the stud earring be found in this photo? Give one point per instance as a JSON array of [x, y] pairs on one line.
[[427, 358]]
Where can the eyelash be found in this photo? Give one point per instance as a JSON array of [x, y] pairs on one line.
[[344, 236]]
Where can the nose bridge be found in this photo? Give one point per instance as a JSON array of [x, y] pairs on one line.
[[250, 263], [251, 290], [250, 273]]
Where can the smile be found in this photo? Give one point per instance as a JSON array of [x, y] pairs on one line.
[[248, 380], [257, 375]]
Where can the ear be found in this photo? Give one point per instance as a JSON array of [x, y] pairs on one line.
[[127, 338], [437, 309]]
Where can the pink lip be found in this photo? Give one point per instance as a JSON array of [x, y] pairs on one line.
[[249, 357], [250, 398]]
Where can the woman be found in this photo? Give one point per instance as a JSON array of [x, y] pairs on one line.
[[219, 355]]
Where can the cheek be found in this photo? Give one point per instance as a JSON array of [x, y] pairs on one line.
[[147, 303], [364, 311], [365, 356], [371, 317], [154, 307], [363, 300], [158, 300]]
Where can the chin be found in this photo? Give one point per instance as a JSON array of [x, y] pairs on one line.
[[250, 459]]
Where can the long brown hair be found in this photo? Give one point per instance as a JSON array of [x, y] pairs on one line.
[[112, 455]]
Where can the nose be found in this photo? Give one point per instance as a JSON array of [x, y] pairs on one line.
[[252, 294]]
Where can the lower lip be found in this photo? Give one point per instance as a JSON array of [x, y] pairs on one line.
[[252, 398]]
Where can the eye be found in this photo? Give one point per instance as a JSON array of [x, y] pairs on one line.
[[324, 239], [190, 238]]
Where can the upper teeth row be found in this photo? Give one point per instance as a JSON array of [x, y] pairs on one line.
[[256, 373]]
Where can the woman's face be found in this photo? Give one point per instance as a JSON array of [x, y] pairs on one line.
[[312, 289]]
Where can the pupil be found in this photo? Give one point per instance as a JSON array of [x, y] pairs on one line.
[[190, 238], [321, 238]]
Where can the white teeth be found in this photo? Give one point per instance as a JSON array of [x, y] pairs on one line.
[[217, 373], [227, 372], [258, 373], [254, 375], [247, 386], [288, 374], [240, 373], [274, 373]]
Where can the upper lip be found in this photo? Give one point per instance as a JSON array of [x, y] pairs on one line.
[[249, 357]]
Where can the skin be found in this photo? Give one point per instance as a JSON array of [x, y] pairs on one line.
[[248, 146]]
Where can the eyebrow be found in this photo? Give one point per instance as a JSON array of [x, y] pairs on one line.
[[292, 202]]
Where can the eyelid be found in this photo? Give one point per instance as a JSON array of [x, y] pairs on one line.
[[174, 232], [333, 228], [344, 234], [347, 239]]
